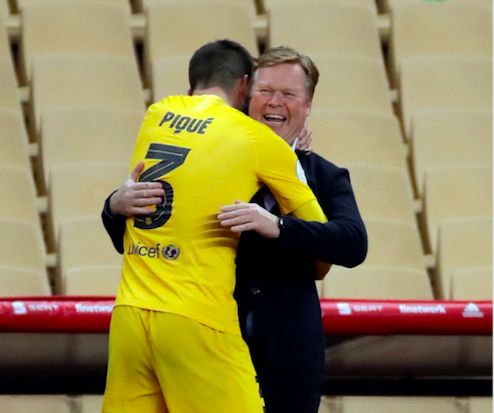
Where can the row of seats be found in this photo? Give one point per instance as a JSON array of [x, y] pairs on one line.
[[346, 404]]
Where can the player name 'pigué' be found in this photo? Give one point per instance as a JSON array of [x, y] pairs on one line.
[[180, 123]]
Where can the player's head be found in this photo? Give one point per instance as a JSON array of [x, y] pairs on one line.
[[283, 86], [223, 64]]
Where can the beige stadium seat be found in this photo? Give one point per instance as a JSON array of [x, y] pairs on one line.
[[170, 76], [87, 135], [124, 4], [455, 193], [339, 29], [16, 281], [463, 244], [393, 244], [404, 404], [389, 5], [211, 20], [9, 98], [471, 284], [351, 83], [85, 249], [18, 194], [427, 29], [92, 280], [449, 138], [354, 137], [106, 82], [479, 405], [328, 404], [369, 4], [74, 27], [4, 40], [89, 403], [377, 283], [383, 192], [141, 5], [79, 190], [442, 82], [35, 403], [13, 139], [21, 245]]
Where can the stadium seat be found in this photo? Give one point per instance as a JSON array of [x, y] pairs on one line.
[[106, 82], [85, 252], [449, 138], [471, 284], [336, 29], [377, 283], [211, 20], [97, 280], [13, 139], [170, 76], [35, 403], [353, 137], [329, 404], [87, 135], [79, 190], [479, 405], [124, 4], [89, 403], [21, 245], [141, 5], [74, 27], [382, 192], [389, 5], [463, 244], [15, 282], [405, 404], [393, 244], [351, 83], [9, 98], [444, 82], [4, 40], [454, 193], [370, 4], [18, 194], [427, 29]]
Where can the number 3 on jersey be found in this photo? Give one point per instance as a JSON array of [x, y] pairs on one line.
[[171, 157]]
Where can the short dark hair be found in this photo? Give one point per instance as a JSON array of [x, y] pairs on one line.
[[220, 63]]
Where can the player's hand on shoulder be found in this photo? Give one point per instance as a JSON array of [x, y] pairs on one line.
[[241, 216], [136, 198]]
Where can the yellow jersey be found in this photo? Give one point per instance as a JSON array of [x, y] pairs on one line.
[[206, 154]]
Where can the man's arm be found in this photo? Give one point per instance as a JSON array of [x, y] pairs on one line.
[[132, 198]]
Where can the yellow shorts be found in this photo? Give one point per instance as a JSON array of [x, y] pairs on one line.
[[163, 362]]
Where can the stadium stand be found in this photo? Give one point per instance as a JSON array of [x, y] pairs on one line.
[[453, 193], [443, 82], [463, 244], [442, 28], [449, 138], [328, 28], [358, 137], [430, 238], [48, 29]]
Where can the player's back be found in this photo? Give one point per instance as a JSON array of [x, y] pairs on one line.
[[206, 154]]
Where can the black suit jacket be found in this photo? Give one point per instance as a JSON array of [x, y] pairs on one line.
[[279, 309]]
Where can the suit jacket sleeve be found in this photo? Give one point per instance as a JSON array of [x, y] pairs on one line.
[[114, 225], [343, 239]]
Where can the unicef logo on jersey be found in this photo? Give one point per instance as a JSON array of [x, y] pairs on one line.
[[171, 252]]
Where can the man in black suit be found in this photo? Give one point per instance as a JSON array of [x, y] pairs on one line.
[[279, 310]]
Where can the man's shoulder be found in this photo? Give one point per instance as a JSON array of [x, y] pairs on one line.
[[314, 161]]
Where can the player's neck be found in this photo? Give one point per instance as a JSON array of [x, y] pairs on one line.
[[213, 91]]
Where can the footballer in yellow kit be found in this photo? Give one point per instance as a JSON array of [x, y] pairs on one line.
[[179, 260]]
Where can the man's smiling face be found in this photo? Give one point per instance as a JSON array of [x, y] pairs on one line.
[[279, 99]]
